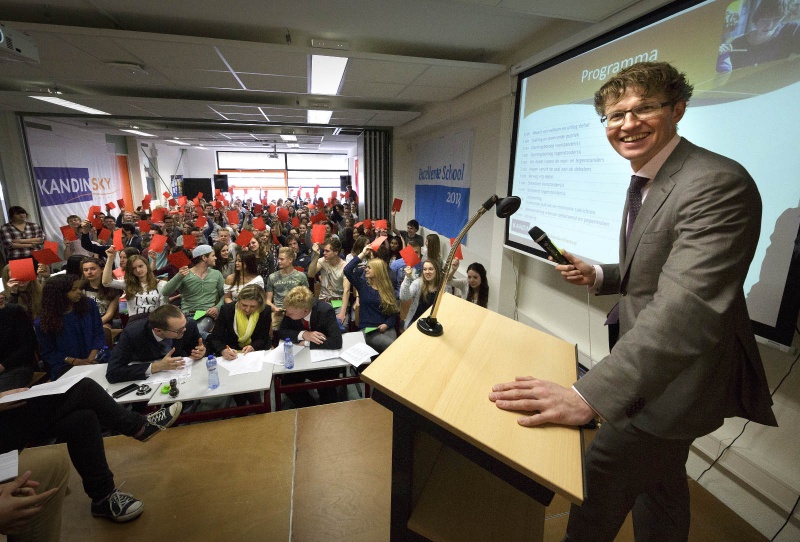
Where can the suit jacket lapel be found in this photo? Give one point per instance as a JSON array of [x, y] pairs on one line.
[[656, 196]]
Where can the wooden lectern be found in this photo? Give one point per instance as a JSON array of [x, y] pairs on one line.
[[462, 469]]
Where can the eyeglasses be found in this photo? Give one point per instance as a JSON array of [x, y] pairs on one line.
[[641, 112], [176, 331]]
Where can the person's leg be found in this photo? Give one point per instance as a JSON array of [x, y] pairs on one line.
[[620, 466], [381, 341], [49, 467], [15, 378]]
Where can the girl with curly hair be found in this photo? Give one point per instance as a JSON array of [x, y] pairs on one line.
[[142, 289]]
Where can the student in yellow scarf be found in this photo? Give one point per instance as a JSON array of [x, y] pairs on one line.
[[243, 326]]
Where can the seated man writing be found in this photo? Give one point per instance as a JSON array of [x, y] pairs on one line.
[[157, 343], [311, 323]]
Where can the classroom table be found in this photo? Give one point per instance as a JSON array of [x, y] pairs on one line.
[[195, 387], [303, 363], [98, 374]]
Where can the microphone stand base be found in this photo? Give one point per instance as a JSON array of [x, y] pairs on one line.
[[430, 326]]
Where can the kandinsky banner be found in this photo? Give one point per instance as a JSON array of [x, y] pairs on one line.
[[442, 184]]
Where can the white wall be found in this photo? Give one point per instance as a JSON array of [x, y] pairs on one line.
[[760, 480]]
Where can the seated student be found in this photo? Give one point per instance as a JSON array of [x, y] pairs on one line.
[[243, 326], [378, 305], [397, 269], [69, 329], [78, 417], [130, 238], [19, 346], [334, 286], [154, 344], [225, 262], [245, 273], [107, 299], [31, 504], [411, 231], [26, 294], [143, 291], [281, 281], [311, 323], [474, 288], [303, 258], [421, 291], [202, 288]]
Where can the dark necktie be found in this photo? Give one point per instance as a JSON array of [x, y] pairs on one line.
[[634, 202], [306, 325]]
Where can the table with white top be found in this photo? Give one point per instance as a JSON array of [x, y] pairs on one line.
[[195, 387], [98, 374], [303, 363]]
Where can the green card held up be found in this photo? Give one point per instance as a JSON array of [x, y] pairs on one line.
[[199, 314], [336, 303]]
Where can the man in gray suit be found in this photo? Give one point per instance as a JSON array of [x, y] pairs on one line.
[[686, 358]]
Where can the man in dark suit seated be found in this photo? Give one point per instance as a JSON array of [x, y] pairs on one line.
[[19, 346], [311, 323], [157, 343]]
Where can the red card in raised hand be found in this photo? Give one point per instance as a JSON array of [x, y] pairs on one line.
[[145, 203], [334, 193], [409, 256], [196, 202], [232, 216], [199, 211], [217, 192], [358, 224], [275, 240], [179, 259], [94, 210], [110, 205], [121, 203], [182, 200], [200, 222], [367, 224], [319, 217], [258, 208], [318, 233], [316, 189], [22, 270], [118, 244], [308, 196], [172, 202], [295, 221], [104, 234], [148, 197], [397, 204], [217, 205], [158, 215], [283, 214], [200, 195], [311, 206], [45, 256], [458, 255], [52, 245], [381, 225], [96, 223], [68, 233], [189, 241], [244, 238], [376, 244], [272, 208], [219, 197], [259, 224], [144, 226], [158, 242], [167, 194]]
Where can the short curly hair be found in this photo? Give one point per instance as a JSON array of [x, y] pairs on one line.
[[299, 297], [649, 78]]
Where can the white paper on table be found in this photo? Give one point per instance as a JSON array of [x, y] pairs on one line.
[[49, 388], [322, 355], [9, 465], [252, 362], [358, 354], [275, 356], [166, 376]]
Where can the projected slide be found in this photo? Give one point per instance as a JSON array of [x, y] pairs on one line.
[[742, 58]]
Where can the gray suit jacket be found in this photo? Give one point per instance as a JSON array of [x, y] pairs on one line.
[[686, 358]]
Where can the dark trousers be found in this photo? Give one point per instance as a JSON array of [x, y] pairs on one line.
[[630, 470], [302, 399], [15, 378], [75, 417]]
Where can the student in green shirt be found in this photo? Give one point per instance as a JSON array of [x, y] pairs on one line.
[[202, 289]]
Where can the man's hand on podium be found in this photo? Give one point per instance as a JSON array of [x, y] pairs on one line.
[[549, 402]]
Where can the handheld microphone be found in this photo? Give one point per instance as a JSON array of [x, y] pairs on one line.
[[543, 241]]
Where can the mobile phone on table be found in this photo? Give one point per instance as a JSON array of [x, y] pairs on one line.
[[125, 391]]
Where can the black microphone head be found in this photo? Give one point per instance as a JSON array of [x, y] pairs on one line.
[[508, 206], [536, 233]]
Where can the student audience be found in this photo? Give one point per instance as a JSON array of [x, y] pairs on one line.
[[143, 292], [245, 273], [421, 291], [377, 303], [474, 288]]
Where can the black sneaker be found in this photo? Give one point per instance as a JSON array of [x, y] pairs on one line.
[[119, 507], [160, 420]]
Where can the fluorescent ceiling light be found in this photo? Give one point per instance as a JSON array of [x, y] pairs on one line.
[[71, 105], [316, 116], [137, 132], [288, 137], [293, 145], [176, 141], [326, 74]]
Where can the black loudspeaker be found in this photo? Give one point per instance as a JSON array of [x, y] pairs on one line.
[[344, 180], [192, 186], [221, 182]]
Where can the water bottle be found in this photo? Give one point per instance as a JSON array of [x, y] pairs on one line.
[[213, 375], [288, 354]]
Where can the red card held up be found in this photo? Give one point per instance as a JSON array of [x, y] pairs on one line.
[[316, 189], [52, 245], [172, 202], [458, 255], [167, 194], [189, 241], [118, 244], [259, 224], [158, 215], [397, 204], [179, 259], [148, 197], [217, 205], [232, 216], [121, 203], [295, 221], [145, 203], [201, 222], [182, 200], [258, 208], [283, 214], [409, 256], [196, 202], [144, 226], [22, 270], [381, 225], [272, 208], [110, 205], [244, 238], [334, 193], [318, 233], [367, 224], [376, 244], [275, 240], [158, 242], [104, 234], [217, 192], [319, 217], [308, 196], [94, 210], [68, 233], [45, 256], [311, 206]]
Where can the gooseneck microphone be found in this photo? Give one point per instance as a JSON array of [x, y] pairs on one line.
[[543, 241]]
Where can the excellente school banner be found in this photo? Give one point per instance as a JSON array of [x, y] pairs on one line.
[[73, 169], [442, 184]]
